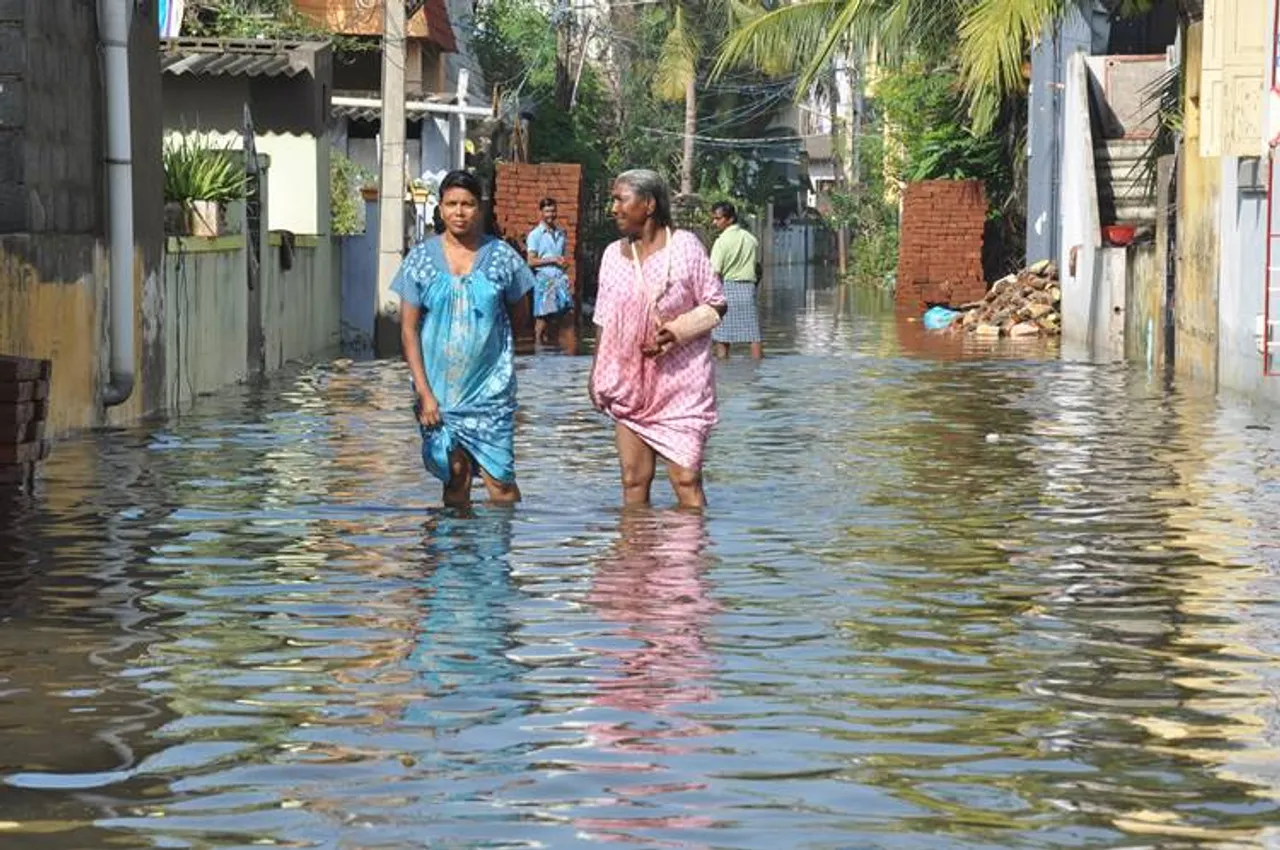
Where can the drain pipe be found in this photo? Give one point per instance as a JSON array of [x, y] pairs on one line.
[[113, 30]]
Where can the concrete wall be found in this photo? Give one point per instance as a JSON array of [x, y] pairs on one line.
[[1045, 131], [1198, 237], [359, 287], [1144, 305], [206, 316], [1081, 235], [301, 306], [298, 180], [212, 317], [53, 253], [1242, 287]]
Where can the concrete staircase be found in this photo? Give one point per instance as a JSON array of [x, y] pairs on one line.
[[1124, 195]]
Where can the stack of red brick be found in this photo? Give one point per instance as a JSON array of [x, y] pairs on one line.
[[24, 408], [520, 186], [940, 252]]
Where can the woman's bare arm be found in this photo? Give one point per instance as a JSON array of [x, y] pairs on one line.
[[428, 406]]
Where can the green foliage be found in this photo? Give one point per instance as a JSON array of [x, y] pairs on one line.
[[346, 178], [515, 45], [990, 38], [1162, 100], [923, 106], [871, 220], [196, 170], [269, 19]]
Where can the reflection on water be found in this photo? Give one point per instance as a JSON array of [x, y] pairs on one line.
[[949, 594]]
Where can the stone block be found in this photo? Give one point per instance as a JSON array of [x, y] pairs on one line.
[[12, 11], [13, 104], [13, 49], [13, 159], [14, 213]]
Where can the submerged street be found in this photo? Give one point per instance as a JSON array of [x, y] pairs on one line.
[[947, 594]]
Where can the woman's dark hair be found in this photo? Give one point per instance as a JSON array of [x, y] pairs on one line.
[[437, 220], [725, 210], [462, 180], [546, 202], [649, 184]]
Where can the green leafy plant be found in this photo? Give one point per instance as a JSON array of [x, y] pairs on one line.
[[195, 170], [346, 178], [1161, 100]]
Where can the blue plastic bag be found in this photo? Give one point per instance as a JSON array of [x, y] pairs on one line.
[[940, 318]]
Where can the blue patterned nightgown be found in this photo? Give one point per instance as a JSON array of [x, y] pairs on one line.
[[468, 351]]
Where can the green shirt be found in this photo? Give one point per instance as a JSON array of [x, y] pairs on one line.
[[734, 255]]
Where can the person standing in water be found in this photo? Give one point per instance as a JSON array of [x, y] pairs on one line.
[[735, 256], [547, 246], [457, 295], [653, 373]]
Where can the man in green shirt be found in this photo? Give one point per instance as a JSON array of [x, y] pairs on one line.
[[735, 257]]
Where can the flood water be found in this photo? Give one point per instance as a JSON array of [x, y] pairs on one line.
[[944, 597]]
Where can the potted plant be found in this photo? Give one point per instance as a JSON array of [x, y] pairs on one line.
[[199, 180]]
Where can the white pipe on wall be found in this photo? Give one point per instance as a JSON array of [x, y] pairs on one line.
[[114, 19]]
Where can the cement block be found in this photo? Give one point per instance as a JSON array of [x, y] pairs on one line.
[[13, 104], [13, 159], [14, 212], [13, 49], [12, 11]]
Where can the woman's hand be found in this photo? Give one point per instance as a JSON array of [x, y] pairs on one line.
[[663, 341], [429, 410]]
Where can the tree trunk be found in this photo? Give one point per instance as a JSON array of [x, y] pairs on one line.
[[837, 164], [564, 74], [690, 130]]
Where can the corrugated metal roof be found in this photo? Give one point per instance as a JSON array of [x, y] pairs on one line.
[[372, 113], [239, 58]]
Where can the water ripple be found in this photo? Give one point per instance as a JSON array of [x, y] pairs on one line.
[[948, 595]]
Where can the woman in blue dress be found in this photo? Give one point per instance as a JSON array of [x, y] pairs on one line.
[[457, 294]]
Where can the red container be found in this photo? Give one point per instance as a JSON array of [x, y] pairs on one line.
[[1118, 234]]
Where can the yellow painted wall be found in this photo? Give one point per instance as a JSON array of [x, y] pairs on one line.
[[54, 320], [1199, 189], [62, 321]]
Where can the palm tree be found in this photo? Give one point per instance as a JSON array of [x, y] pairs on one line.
[[694, 23], [677, 79], [991, 39]]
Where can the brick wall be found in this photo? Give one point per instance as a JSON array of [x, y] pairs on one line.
[[24, 407], [519, 187], [940, 252]]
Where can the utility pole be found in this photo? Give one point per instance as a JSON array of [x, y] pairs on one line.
[[391, 187]]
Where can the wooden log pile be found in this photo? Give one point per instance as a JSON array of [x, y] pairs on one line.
[[1025, 304]]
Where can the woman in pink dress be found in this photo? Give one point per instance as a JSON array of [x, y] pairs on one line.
[[657, 303]]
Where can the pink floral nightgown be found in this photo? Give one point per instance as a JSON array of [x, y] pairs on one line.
[[667, 401]]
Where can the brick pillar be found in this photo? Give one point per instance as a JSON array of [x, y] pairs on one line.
[[24, 408], [940, 247]]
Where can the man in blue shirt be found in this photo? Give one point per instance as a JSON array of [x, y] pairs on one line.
[[547, 247]]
